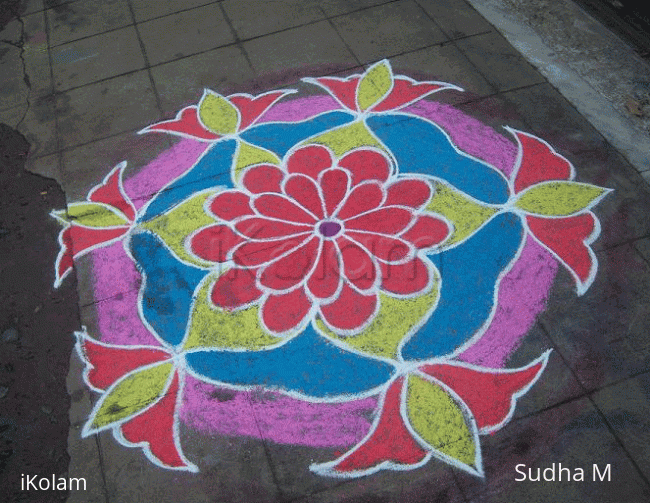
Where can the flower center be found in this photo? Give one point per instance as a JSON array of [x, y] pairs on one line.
[[329, 229]]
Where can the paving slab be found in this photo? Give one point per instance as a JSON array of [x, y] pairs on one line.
[[485, 309], [74, 20]]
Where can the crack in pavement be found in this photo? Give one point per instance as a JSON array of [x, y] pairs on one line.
[[20, 45]]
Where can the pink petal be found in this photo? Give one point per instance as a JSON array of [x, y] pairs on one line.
[[385, 220], [405, 92], [282, 208], [366, 164], [345, 90], [264, 178], [231, 204], [111, 192], [388, 440], [358, 266], [362, 198], [263, 228], [284, 312], [334, 185], [326, 277], [350, 310], [237, 287], [214, 243], [489, 393], [413, 193], [108, 363], [186, 123], [310, 161], [155, 427], [304, 191], [251, 108], [288, 271], [385, 248], [405, 279], [252, 254], [427, 231], [539, 162]]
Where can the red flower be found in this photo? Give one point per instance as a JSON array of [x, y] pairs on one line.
[[321, 235]]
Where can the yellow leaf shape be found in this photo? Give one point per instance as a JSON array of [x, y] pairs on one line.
[[466, 215], [249, 155], [396, 318], [131, 395], [93, 215], [218, 114], [178, 223], [439, 421], [212, 326], [374, 86], [559, 198], [346, 138]]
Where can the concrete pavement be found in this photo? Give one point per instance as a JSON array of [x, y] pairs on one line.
[[378, 409]]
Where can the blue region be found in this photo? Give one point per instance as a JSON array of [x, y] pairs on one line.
[[279, 138], [169, 287], [212, 169], [421, 147], [308, 364], [469, 274]]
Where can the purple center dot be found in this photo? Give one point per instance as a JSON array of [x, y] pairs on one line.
[[329, 229]]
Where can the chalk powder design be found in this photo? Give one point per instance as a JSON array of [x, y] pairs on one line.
[[362, 250]]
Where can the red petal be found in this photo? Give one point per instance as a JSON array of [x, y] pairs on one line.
[[304, 191], [251, 108], [155, 426], [405, 279], [568, 239], [366, 165], [362, 198], [413, 193], [310, 161], [110, 363], [258, 252], [263, 228], [231, 204], [64, 260], [344, 90], [334, 185], [292, 269], [489, 393], [326, 277], [235, 288], [265, 178], [539, 162], [358, 266], [350, 310], [111, 192], [284, 312], [405, 92], [186, 123], [383, 247], [427, 231], [385, 220], [214, 243], [282, 208], [83, 238], [389, 440]]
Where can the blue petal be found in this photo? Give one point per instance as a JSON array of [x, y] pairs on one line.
[[308, 364], [280, 137], [211, 170], [469, 275], [168, 287], [421, 147]]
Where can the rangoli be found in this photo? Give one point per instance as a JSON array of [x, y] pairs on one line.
[[365, 250]]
